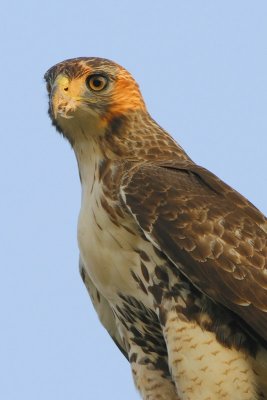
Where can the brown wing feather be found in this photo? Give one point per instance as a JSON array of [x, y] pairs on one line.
[[213, 234]]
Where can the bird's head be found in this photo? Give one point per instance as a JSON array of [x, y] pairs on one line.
[[97, 105], [87, 94]]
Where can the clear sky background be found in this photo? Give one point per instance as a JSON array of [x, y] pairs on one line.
[[202, 68]]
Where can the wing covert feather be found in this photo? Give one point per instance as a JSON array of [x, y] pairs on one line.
[[214, 235]]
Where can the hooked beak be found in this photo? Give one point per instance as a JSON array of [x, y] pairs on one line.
[[61, 101]]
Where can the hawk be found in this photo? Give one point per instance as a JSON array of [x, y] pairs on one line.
[[174, 260]]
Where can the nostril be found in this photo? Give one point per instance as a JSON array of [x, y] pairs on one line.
[[66, 89]]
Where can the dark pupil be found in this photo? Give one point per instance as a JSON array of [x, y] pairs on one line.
[[97, 82]]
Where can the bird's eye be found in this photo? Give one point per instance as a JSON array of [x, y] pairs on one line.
[[96, 82]]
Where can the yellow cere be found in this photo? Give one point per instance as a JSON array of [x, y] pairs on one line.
[[62, 80]]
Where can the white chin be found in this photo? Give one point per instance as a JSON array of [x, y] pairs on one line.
[[80, 124], [65, 115]]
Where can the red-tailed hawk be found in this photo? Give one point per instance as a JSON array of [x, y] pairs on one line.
[[173, 258]]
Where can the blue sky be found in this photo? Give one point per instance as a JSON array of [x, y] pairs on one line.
[[201, 66]]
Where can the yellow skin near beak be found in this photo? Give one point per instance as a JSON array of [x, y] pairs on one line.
[[65, 96], [62, 81]]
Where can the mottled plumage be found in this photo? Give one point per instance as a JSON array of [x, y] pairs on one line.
[[174, 259]]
